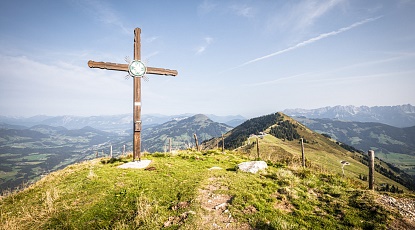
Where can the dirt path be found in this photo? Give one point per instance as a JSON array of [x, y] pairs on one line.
[[216, 214]]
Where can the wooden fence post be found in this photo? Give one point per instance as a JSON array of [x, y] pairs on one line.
[[371, 155], [111, 151], [123, 150], [169, 145], [197, 143], [257, 147], [223, 144], [302, 153]]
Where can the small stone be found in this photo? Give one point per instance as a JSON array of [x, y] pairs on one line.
[[252, 166], [136, 164]]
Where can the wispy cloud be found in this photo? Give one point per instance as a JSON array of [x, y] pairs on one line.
[[243, 10], [312, 10], [396, 57], [104, 13], [309, 41], [319, 78], [206, 7], [276, 80], [301, 15], [150, 55], [151, 39], [202, 48]]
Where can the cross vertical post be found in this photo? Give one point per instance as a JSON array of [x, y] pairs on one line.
[[137, 100]]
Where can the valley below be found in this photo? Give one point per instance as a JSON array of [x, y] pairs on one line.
[[28, 154]]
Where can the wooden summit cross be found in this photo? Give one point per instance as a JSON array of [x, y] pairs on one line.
[[137, 70]]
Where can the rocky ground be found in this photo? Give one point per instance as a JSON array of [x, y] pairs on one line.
[[405, 206]]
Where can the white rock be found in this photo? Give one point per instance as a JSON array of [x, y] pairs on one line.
[[252, 166], [136, 164]]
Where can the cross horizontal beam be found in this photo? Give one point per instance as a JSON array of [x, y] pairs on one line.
[[124, 67], [108, 65]]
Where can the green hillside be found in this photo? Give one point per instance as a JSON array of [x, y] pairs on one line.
[[282, 144], [391, 144]]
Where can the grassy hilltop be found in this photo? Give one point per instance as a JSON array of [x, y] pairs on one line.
[[282, 144], [189, 191], [203, 190]]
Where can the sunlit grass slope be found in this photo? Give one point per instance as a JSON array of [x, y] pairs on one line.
[[169, 193]]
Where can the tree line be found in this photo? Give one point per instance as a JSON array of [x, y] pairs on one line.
[[285, 130], [252, 126]]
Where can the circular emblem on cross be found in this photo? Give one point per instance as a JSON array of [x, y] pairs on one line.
[[137, 69]]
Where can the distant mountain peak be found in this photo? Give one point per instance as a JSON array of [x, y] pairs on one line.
[[200, 117], [398, 116], [181, 132]]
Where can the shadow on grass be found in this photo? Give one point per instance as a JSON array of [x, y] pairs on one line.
[[113, 160]]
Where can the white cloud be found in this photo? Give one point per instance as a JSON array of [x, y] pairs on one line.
[[104, 13], [310, 11], [208, 40], [223, 8], [202, 48], [323, 78], [278, 80], [300, 16], [206, 7], [243, 10], [150, 55], [151, 39], [310, 41]]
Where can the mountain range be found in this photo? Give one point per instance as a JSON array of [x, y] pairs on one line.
[[398, 116], [110, 123]]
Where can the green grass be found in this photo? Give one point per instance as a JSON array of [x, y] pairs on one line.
[[320, 153], [403, 161], [36, 157], [98, 195]]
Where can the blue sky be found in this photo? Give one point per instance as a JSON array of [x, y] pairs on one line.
[[233, 57]]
